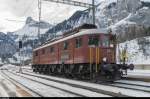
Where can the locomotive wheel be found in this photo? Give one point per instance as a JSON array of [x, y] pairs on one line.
[[58, 69], [49, 68], [67, 71], [62, 69], [53, 68], [39, 69], [86, 72], [46, 70], [74, 71]]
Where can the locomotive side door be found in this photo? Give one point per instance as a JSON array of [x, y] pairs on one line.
[[72, 48], [94, 51]]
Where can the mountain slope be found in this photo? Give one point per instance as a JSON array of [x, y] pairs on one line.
[[7, 46], [31, 28], [129, 19]]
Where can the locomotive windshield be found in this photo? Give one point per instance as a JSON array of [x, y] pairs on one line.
[[105, 41], [96, 40], [93, 40], [36, 53]]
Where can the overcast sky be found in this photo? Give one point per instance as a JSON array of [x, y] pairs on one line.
[[19, 10]]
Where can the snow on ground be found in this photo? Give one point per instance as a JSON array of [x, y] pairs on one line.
[[52, 92], [3, 93], [132, 86], [143, 72], [41, 89], [135, 82], [97, 86], [8, 66], [139, 74], [7, 89]]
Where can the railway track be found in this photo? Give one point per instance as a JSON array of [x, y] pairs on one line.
[[64, 89], [15, 82], [126, 85], [132, 86], [136, 83], [137, 78], [83, 87], [140, 89]]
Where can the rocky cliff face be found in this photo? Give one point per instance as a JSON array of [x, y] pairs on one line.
[[28, 34], [31, 28], [122, 16]]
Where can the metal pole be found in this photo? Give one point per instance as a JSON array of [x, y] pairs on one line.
[[90, 63], [20, 60], [39, 7], [93, 11], [54, 30], [20, 46]]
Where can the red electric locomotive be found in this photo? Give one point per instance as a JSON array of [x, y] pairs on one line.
[[86, 54]]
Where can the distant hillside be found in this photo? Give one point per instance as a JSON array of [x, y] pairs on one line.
[[31, 28], [129, 19]]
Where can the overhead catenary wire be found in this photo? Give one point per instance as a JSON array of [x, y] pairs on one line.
[[40, 13], [77, 3]]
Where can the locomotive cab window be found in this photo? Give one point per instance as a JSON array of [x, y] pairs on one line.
[[36, 53], [112, 41], [93, 40], [105, 41], [65, 45], [78, 42]]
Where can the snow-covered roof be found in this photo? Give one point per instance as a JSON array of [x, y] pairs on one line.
[[85, 32]]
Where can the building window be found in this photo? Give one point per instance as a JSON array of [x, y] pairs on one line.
[[51, 49], [78, 42], [93, 40], [66, 45]]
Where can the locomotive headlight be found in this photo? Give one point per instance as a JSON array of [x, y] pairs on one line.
[[112, 45], [104, 59]]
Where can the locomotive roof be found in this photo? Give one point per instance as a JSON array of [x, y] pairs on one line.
[[85, 32]]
